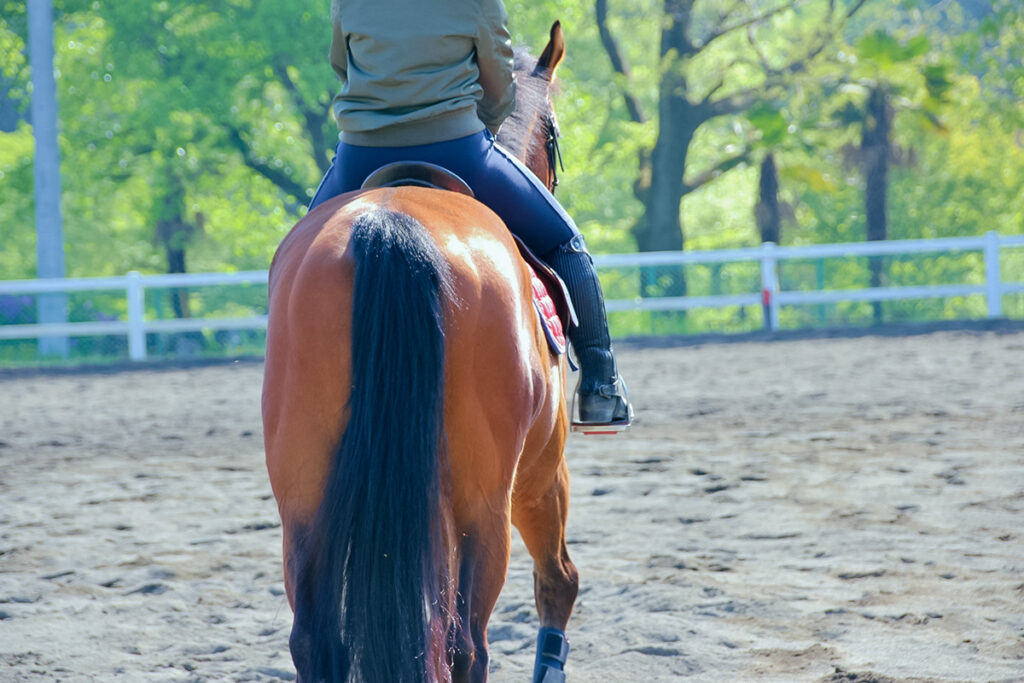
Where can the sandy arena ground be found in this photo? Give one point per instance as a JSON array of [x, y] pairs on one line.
[[819, 510]]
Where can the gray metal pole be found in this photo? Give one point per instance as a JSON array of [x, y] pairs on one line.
[[49, 223]]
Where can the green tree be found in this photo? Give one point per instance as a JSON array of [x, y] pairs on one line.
[[888, 67], [716, 62], [176, 114]]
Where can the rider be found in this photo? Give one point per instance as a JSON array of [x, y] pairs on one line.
[[433, 81]]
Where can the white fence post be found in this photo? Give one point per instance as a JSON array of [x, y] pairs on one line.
[[769, 285], [136, 311], [993, 281], [52, 307]]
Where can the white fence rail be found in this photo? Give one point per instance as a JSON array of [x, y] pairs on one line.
[[769, 255], [136, 326]]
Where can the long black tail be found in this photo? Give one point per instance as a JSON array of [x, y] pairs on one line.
[[374, 563]]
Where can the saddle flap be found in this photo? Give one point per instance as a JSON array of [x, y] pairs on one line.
[[418, 173], [554, 285], [551, 301]]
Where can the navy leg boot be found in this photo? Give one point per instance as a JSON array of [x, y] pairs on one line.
[[602, 398], [552, 650]]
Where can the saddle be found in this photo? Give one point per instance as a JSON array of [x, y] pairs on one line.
[[417, 173], [550, 296]]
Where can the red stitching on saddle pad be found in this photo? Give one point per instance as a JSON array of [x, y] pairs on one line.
[[548, 315]]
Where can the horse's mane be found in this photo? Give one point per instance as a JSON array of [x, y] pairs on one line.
[[531, 101]]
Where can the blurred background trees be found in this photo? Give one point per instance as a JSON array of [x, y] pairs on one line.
[[193, 133]]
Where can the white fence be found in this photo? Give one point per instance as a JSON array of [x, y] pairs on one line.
[[136, 326], [768, 255]]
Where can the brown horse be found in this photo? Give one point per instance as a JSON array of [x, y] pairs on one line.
[[412, 411]]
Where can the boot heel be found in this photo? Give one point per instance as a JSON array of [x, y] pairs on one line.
[[613, 427]]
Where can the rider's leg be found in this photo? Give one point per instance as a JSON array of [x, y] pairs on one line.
[[601, 398], [532, 213], [330, 186]]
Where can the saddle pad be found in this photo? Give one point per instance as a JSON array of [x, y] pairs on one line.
[[549, 319]]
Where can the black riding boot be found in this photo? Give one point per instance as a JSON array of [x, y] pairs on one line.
[[602, 399]]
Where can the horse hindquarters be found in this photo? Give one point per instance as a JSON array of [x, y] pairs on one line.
[[369, 573]]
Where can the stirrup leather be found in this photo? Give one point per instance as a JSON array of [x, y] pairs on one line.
[[588, 428]]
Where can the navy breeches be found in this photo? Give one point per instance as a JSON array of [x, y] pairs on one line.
[[500, 181]]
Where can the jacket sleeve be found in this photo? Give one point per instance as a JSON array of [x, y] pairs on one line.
[[495, 61], [339, 50]]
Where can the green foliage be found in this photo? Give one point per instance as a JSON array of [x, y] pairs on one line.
[[17, 231], [771, 125], [952, 141], [150, 96], [886, 50]]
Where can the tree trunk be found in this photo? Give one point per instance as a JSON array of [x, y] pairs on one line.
[[176, 264], [876, 148], [766, 212], [661, 228], [174, 233]]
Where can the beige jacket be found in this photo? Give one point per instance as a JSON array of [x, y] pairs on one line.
[[416, 72]]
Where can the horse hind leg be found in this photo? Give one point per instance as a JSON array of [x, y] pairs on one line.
[[304, 589], [541, 522], [484, 557]]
